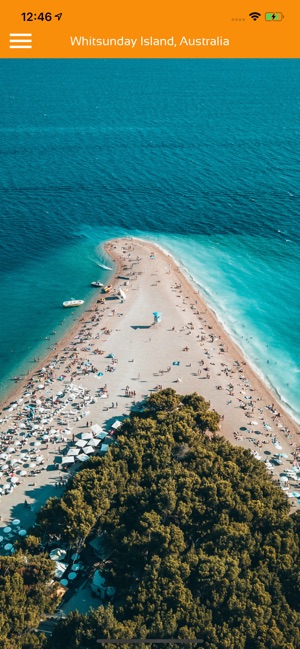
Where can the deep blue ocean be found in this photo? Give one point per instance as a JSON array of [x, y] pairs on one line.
[[201, 156]]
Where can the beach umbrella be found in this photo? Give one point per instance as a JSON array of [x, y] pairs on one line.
[[14, 480], [32, 465], [73, 451], [96, 429], [64, 582], [283, 478], [278, 446], [117, 424], [7, 530], [37, 443], [17, 442], [284, 455], [100, 374], [94, 442], [86, 435], [75, 556], [72, 575], [88, 450], [1, 538], [296, 494], [16, 521], [254, 423], [22, 533], [6, 486], [81, 443], [68, 460], [4, 467], [8, 547], [82, 457]]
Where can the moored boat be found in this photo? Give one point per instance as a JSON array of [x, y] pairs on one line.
[[97, 284], [70, 303]]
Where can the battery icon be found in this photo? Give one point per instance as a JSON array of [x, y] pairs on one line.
[[274, 15]]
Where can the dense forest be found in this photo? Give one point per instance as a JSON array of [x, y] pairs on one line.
[[199, 540]]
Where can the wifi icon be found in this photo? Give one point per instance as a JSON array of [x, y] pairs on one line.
[[254, 15]]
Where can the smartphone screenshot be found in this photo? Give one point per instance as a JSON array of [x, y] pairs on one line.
[[149, 330]]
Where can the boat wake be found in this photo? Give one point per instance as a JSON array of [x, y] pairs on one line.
[[103, 266]]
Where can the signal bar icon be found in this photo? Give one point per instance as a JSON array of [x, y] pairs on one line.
[[20, 41]]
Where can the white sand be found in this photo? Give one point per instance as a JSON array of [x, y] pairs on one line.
[[144, 352]]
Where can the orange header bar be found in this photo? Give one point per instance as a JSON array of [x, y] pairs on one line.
[[152, 29]]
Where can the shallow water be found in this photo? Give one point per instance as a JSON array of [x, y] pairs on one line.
[[200, 156]]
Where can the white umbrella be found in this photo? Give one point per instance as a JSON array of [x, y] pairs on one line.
[[23, 473], [37, 443], [88, 450], [117, 424], [32, 465], [283, 478], [7, 530], [68, 460], [72, 575], [16, 521], [22, 533], [82, 457], [81, 443], [73, 451], [96, 429], [94, 442], [8, 546], [86, 435], [14, 480]]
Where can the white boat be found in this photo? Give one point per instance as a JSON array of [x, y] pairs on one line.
[[70, 303], [97, 284]]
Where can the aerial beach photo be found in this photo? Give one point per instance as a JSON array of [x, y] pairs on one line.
[[149, 424]]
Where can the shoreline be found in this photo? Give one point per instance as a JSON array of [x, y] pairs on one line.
[[234, 339], [193, 283], [201, 290], [188, 350], [13, 392]]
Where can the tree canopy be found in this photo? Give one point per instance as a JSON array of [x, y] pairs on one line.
[[201, 543]]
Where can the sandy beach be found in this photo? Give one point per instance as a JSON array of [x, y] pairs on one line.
[[110, 361]]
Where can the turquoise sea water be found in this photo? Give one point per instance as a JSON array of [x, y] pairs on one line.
[[199, 156]]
